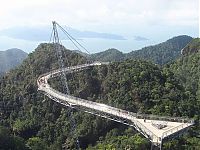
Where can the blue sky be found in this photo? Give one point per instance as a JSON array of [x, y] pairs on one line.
[[123, 24]]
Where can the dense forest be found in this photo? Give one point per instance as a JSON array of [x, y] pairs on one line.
[[30, 120]]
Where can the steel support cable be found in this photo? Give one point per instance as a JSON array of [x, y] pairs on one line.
[[71, 37], [73, 43]]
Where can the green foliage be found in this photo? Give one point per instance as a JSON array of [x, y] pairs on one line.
[[135, 85], [8, 141], [36, 143], [184, 143], [135, 142], [187, 70], [192, 47]]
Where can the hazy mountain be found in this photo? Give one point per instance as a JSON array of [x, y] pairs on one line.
[[160, 54], [10, 59]]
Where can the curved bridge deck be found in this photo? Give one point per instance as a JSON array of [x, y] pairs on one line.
[[145, 124]]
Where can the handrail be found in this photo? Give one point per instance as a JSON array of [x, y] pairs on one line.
[[164, 118], [152, 135], [166, 133], [118, 111]]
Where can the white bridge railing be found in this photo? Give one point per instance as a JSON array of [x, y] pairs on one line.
[[175, 129]]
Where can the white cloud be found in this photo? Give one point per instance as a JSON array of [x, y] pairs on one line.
[[95, 12], [148, 18]]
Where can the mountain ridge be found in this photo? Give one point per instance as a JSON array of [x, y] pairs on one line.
[[161, 53], [11, 58], [111, 54]]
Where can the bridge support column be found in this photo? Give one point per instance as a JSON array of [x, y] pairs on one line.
[[151, 146], [161, 145]]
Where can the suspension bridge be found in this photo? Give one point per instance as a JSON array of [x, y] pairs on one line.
[[154, 128]]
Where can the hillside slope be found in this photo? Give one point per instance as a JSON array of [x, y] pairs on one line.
[[187, 69], [164, 52], [192, 47], [39, 123], [11, 58], [160, 54]]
